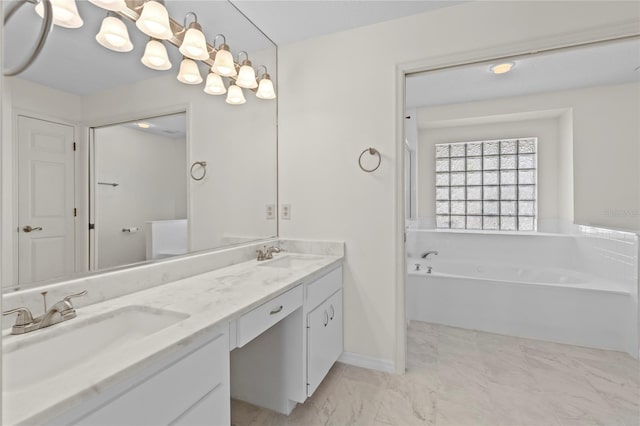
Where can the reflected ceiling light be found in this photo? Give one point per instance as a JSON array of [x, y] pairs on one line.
[[143, 125], [502, 68], [223, 63], [235, 95], [215, 85], [155, 56], [115, 5], [265, 87], [114, 35], [189, 72], [194, 45], [65, 13], [154, 21], [246, 75]]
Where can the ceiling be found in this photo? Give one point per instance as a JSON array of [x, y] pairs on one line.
[[593, 65], [72, 60], [286, 21], [172, 126]]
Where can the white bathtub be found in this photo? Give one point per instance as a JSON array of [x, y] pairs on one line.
[[549, 303]]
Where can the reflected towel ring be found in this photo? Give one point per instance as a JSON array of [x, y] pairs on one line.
[[371, 151], [202, 164]]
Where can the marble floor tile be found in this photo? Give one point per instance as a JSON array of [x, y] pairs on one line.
[[465, 377]]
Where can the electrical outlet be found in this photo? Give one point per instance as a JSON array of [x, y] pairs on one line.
[[271, 211], [285, 212]]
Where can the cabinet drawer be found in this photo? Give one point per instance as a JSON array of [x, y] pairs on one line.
[[163, 397], [323, 287], [324, 340], [255, 322], [212, 410]]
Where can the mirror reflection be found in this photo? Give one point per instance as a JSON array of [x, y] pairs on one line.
[[91, 187]]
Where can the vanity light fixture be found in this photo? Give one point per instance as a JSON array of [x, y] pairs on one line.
[[65, 13], [154, 20], [215, 85], [114, 35], [246, 76], [502, 68], [189, 72], [194, 44], [155, 56], [235, 95], [265, 87], [223, 62], [114, 5]]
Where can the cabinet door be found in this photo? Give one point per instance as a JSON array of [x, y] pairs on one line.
[[324, 340], [211, 410]]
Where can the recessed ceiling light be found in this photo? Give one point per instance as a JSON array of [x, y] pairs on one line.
[[502, 68], [143, 125]]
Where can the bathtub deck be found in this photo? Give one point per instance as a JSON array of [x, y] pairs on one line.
[[463, 377]]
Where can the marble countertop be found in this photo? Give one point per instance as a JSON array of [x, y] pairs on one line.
[[210, 299]]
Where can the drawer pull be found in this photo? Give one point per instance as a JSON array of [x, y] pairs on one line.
[[326, 318], [333, 312], [276, 310]]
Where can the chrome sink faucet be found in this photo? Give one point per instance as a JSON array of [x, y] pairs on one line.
[[267, 252], [59, 312], [426, 254]]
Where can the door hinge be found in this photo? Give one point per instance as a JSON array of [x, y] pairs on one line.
[[75, 212], [92, 226], [74, 146]]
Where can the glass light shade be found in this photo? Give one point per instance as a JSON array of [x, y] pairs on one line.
[[214, 85], [223, 63], [247, 77], [115, 5], [65, 13], [154, 21], [235, 95], [194, 45], [114, 35], [265, 88], [155, 56], [189, 72]]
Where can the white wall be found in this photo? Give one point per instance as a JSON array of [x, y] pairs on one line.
[[551, 145], [606, 140], [238, 142], [328, 116], [150, 187]]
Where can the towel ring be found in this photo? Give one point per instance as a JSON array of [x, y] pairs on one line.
[[371, 151], [202, 164]]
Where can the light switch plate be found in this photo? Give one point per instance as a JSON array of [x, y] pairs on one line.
[[285, 211], [271, 211]]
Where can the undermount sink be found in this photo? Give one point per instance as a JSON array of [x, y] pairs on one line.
[[288, 261], [36, 357]]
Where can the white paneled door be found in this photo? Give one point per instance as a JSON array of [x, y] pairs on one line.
[[46, 216]]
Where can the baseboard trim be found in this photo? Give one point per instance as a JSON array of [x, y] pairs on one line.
[[366, 361]]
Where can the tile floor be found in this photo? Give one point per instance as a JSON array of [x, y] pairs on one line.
[[464, 377]]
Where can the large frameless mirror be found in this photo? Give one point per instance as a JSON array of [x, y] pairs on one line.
[[115, 160]]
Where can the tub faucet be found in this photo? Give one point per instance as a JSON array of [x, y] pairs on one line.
[[426, 254]]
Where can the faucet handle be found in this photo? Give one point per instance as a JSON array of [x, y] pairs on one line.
[[71, 296], [24, 316]]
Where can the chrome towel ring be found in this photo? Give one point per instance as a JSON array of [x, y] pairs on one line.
[[203, 165], [45, 29], [371, 151]]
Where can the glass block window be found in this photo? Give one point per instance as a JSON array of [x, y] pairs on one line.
[[487, 185]]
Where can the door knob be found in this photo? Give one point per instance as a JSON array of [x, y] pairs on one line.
[[29, 228]]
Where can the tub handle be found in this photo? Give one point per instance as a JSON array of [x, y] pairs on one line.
[[417, 266], [429, 269]]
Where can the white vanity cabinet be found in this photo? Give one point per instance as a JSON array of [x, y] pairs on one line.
[[190, 388], [324, 326]]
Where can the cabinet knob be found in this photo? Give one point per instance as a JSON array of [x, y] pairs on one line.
[[333, 312], [326, 319], [276, 310]]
